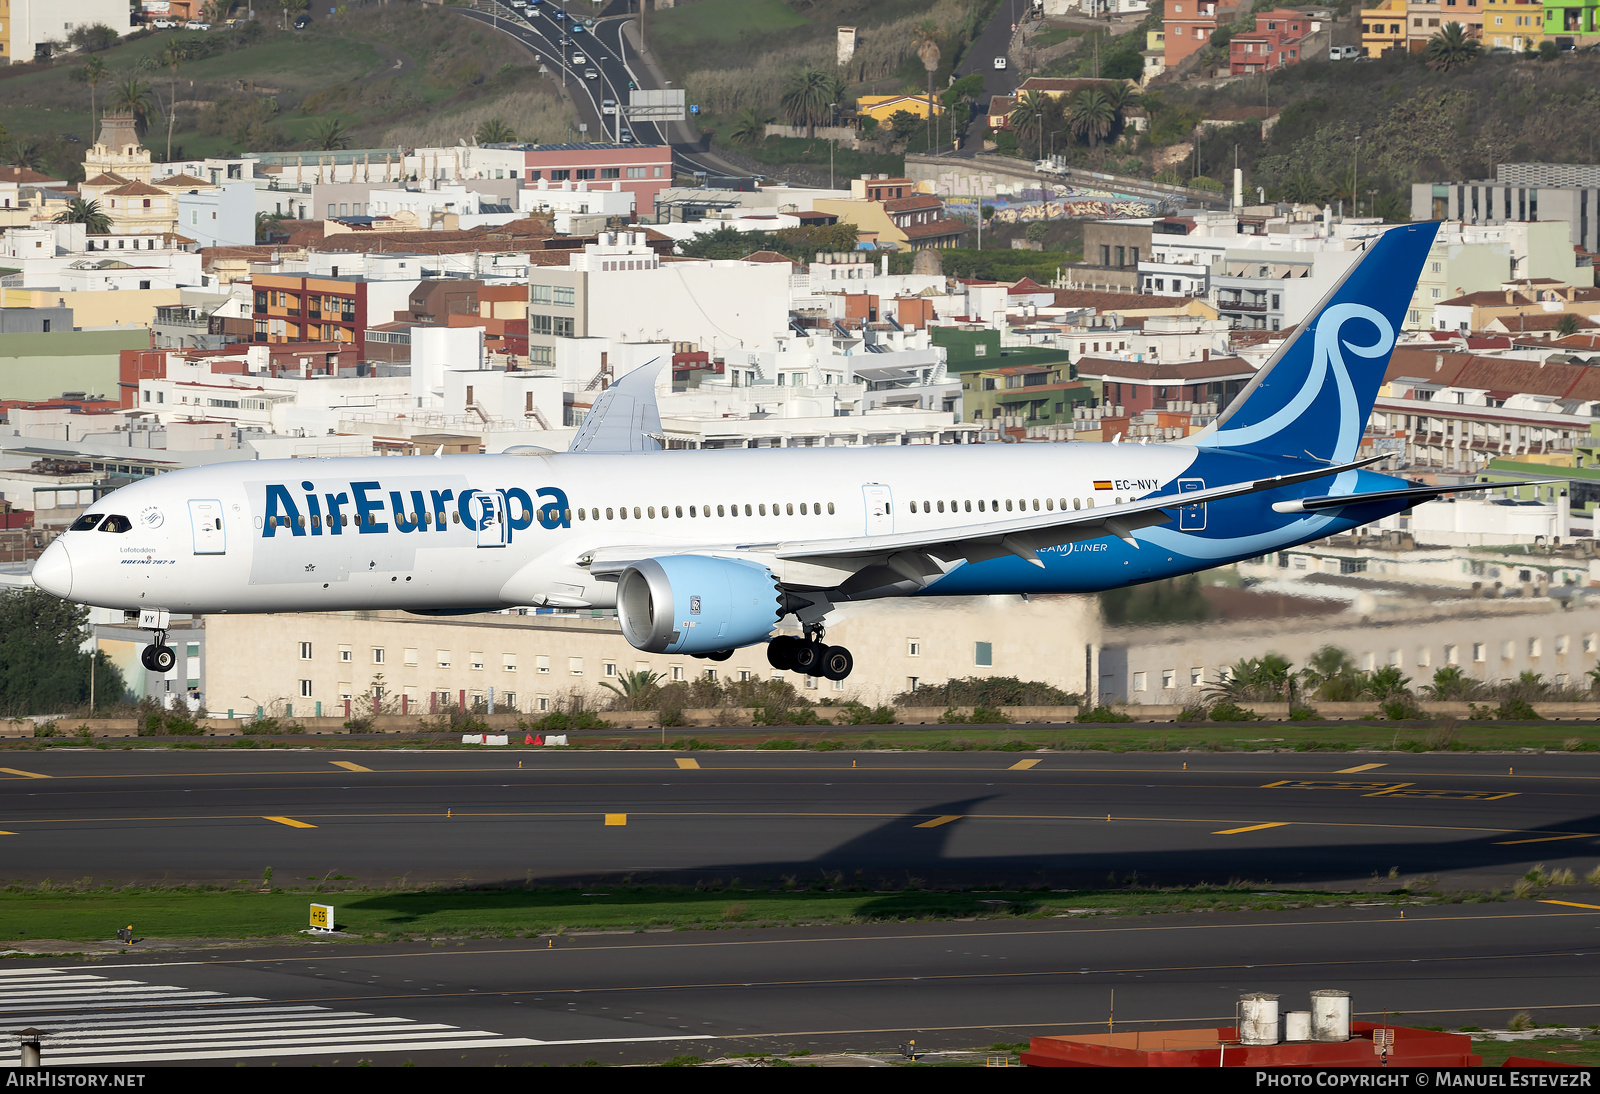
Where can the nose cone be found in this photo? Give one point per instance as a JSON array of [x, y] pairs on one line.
[[53, 571]]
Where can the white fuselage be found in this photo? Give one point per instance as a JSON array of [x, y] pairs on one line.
[[480, 532]]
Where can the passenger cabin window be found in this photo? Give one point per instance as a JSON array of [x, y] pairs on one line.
[[86, 522], [117, 523]]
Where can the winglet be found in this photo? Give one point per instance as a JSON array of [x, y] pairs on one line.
[[625, 417]]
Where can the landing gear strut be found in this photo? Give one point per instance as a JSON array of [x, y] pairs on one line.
[[159, 657], [810, 655]]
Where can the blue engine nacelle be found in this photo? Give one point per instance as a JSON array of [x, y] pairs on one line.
[[696, 604]]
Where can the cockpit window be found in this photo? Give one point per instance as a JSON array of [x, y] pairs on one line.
[[86, 522], [115, 523]]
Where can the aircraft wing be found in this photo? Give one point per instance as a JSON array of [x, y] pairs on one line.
[[1418, 493], [625, 417], [1023, 536]]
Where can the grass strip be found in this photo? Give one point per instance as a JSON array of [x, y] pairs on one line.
[[86, 912]]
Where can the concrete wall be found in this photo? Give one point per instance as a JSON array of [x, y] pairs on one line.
[[256, 661]]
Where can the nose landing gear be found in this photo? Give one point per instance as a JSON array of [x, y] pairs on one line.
[[159, 657], [810, 655]]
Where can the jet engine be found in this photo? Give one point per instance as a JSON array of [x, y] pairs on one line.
[[696, 604]]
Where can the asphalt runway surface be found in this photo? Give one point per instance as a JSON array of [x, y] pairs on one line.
[[622, 998], [972, 818]]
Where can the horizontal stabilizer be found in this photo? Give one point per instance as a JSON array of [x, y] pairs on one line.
[[1418, 493]]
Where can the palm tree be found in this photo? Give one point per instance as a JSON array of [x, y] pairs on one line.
[[266, 224], [1122, 98], [87, 213], [495, 131], [633, 687], [94, 70], [750, 127], [1303, 189], [926, 41], [806, 101], [1567, 326], [21, 152], [1449, 683], [172, 57], [132, 96], [330, 136], [1027, 117], [1091, 116], [1451, 48], [1331, 674]]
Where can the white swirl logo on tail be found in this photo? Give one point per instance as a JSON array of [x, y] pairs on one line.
[[1327, 355]]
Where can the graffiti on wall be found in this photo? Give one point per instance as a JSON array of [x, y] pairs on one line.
[[964, 193]]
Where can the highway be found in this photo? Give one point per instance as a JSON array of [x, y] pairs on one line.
[[1063, 819]]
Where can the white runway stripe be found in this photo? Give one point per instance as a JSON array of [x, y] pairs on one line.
[[106, 1020]]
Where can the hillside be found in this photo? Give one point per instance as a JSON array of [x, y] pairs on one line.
[[402, 73]]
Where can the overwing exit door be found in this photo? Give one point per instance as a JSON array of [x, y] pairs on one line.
[[1192, 518], [880, 510], [205, 518]]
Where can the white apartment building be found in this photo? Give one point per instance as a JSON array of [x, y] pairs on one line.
[[44, 23], [568, 203], [1468, 258], [447, 206], [62, 256]]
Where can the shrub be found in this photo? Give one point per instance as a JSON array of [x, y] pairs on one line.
[[988, 716], [561, 721], [859, 714], [1298, 713], [952, 717], [1229, 711], [1194, 712], [1400, 708], [46, 729], [1518, 709], [988, 691], [1103, 713]]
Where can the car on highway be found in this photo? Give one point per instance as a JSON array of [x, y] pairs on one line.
[[590, 74], [163, 24], [557, 13], [578, 58], [195, 24], [1000, 63], [626, 137], [576, 26], [608, 106]]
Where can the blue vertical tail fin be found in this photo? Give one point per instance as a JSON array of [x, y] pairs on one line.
[[1313, 397]]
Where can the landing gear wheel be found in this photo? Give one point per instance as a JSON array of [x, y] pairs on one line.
[[808, 657], [720, 655], [780, 652], [159, 658], [836, 662]]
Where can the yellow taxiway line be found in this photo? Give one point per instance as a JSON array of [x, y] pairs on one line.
[[290, 821], [348, 766], [685, 764], [1250, 828], [937, 821]]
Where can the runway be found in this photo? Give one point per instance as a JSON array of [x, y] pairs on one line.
[[1053, 818], [620, 998]]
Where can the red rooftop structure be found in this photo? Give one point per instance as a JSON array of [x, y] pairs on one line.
[[1220, 1047]]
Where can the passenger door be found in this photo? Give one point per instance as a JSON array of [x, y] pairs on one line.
[[880, 510], [205, 518], [492, 528]]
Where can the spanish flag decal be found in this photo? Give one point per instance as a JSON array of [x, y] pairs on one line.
[[1102, 484]]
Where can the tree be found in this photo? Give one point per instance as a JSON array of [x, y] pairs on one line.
[[267, 224], [749, 127], [42, 667], [132, 96], [926, 41], [172, 57], [806, 102], [87, 213], [1304, 189], [1451, 48], [1449, 683], [94, 70], [1091, 116], [1027, 118], [903, 123], [1258, 679], [724, 242], [1388, 683], [495, 131], [634, 689], [1331, 675], [329, 136], [21, 152], [93, 38], [1567, 326]]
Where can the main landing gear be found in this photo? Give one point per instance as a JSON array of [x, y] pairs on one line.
[[159, 657], [810, 655]]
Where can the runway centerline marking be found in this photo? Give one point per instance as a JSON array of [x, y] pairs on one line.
[[1572, 904], [616, 820], [1024, 765], [348, 766], [1544, 839], [1250, 828], [687, 764], [1359, 769], [290, 821], [937, 821], [25, 774]]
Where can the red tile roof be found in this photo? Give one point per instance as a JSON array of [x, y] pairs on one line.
[[1552, 379], [1217, 368], [137, 189], [912, 203], [1114, 301]]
